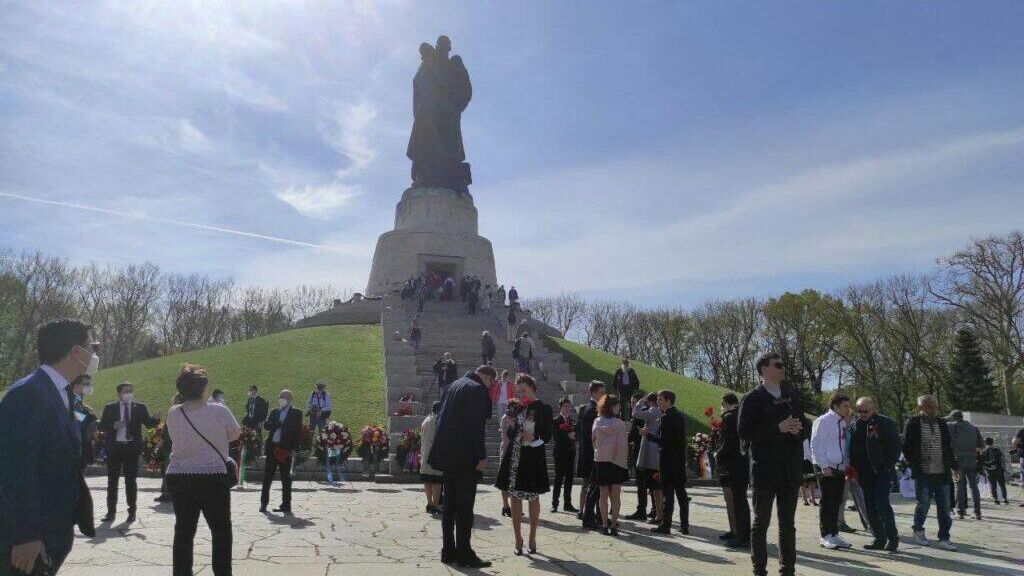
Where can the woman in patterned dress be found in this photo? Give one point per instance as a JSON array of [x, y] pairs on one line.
[[524, 465]]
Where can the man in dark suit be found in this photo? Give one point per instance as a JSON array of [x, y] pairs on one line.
[[122, 422], [460, 453], [564, 455], [626, 384], [672, 462], [285, 428], [40, 447], [585, 456], [772, 427], [256, 408], [639, 408], [734, 475]]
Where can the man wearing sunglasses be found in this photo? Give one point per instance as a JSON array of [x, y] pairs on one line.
[[875, 447], [772, 427]]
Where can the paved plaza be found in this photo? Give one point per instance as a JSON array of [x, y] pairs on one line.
[[364, 529]]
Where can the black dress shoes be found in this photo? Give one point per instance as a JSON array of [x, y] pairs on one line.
[[473, 561], [569, 508], [726, 536], [662, 529], [892, 546], [876, 545]]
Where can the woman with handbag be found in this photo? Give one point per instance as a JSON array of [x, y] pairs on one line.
[[200, 473]]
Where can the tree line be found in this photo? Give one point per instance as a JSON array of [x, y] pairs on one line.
[[137, 311], [957, 332]]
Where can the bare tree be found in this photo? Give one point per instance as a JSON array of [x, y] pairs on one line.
[[985, 281], [724, 332], [801, 328]]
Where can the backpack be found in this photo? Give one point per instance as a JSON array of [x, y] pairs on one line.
[[516, 348]]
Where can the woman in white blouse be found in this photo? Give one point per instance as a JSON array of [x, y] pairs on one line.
[[197, 474]]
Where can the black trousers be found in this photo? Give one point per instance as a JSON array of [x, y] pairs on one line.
[[879, 510], [997, 478], [832, 488], [780, 490], [122, 459], [564, 460], [641, 492], [209, 495], [457, 515], [740, 510], [590, 503], [674, 489], [269, 469]]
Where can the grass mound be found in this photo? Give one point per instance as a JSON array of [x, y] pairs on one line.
[[348, 358], [692, 395]]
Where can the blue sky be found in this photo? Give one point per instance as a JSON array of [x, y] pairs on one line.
[[661, 152]]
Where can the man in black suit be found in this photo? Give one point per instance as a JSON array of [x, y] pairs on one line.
[[460, 453], [734, 475], [122, 422], [285, 428], [585, 456], [672, 439], [639, 407], [564, 455], [40, 451], [772, 427], [256, 408], [626, 384]]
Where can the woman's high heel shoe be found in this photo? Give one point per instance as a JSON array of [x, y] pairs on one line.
[[506, 511], [519, 546], [532, 549]]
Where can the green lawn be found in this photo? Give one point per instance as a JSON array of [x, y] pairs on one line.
[[348, 358], [692, 395]]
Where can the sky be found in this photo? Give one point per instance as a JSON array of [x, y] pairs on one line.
[[658, 152]]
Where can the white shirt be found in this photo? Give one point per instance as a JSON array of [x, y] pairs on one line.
[[122, 432], [282, 415], [828, 441], [190, 454], [59, 382]]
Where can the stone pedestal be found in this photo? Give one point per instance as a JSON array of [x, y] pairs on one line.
[[435, 229]]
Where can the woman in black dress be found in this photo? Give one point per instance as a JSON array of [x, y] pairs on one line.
[[524, 465]]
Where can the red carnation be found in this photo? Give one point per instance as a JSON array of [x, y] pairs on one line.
[[709, 411]]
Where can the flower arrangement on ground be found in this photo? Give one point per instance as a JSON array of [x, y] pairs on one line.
[[335, 441], [373, 447], [250, 445], [151, 453], [408, 450]]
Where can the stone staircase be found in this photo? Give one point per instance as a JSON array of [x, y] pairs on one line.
[[447, 327]]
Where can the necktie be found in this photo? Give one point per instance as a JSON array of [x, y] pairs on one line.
[[126, 409], [71, 400]]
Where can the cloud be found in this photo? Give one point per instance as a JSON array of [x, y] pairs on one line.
[[902, 207], [350, 136], [348, 133], [318, 201]]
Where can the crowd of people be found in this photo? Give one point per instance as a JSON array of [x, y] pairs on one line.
[[854, 453]]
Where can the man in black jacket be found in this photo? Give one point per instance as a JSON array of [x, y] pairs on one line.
[[639, 404], [928, 448], [772, 426], [672, 462], [626, 384], [874, 451], [564, 455], [734, 474], [585, 455], [122, 421], [460, 453], [446, 371], [285, 428], [256, 408]]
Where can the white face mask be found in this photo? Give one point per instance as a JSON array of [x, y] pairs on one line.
[[127, 397], [87, 390], [94, 364], [282, 402]]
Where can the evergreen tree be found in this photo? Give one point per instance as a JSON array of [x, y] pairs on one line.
[[970, 386]]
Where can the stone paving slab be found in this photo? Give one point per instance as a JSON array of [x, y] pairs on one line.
[[366, 529]]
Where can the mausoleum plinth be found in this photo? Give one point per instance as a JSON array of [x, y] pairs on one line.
[[435, 229]]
